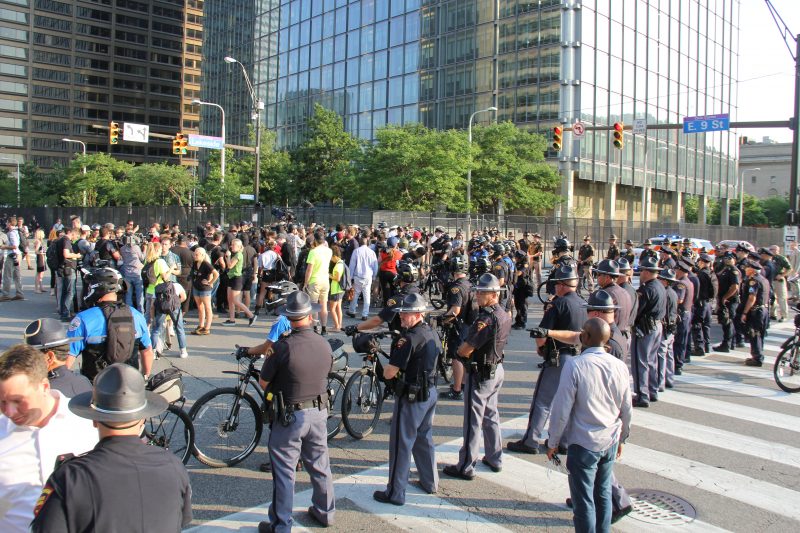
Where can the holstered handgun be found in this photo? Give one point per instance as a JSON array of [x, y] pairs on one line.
[[549, 352]]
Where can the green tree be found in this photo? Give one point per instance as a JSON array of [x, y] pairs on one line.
[[775, 208], [753, 212], [509, 166], [411, 167], [238, 180], [323, 159], [160, 184], [101, 183]]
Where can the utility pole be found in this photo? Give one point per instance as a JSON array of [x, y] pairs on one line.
[[791, 216]]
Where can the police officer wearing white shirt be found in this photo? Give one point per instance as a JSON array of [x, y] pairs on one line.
[[36, 427]]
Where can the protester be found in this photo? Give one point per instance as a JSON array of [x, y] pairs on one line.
[[204, 277]]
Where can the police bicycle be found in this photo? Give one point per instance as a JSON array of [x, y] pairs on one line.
[[432, 286], [367, 389], [787, 363], [444, 328], [229, 421], [172, 429]]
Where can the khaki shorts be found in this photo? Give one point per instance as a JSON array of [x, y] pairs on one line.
[[318, 293]]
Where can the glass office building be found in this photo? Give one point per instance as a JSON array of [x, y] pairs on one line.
[[540, 62]]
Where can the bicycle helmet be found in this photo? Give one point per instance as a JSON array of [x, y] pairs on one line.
[[278, 293], [561, 245], [498, 249], [102, 281], [406, 272], [458, 264]]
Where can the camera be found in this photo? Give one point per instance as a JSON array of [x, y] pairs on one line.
[[131, 240]]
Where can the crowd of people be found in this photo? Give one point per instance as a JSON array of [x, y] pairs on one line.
[[121, 292]]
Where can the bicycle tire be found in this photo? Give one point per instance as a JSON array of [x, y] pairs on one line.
[[435, 294], [787, 369], [361, 408], [335, 423], [541, 292], [444, 365], [213, 445], [172, 430]]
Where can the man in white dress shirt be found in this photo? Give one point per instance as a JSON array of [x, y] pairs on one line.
[[36, 427]]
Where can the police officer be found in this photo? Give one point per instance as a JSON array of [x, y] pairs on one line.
[[728, 281], [482, 352], [566, 312], [502, 272], [413, 364], [50, 337], [91, 327], [647, 251], [628, 253], [613, 252], [607, 274], [522, 289], [666, 353], [624, 281], [685, 291], [406, 283], [562, 256], [122, 483], [461, 312], [666, 257], [702, 307], [755, 311], [295, 378], [586, 261], [647, 334], [535, 252]]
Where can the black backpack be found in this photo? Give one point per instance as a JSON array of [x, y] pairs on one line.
[[120, 336], [149, 274], [51, 256], [167, 300]]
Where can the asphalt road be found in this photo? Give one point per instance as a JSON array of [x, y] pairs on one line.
[[724, 441]]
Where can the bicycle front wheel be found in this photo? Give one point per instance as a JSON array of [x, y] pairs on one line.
[[362, 403], [787, 369], [435, 293], [336, 391], [173, 431], [541, 292], [227, 427]]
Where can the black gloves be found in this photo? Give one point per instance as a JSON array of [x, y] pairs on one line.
[[539, 333], [351, 330]]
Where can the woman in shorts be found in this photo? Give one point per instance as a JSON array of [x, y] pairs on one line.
[[204, 275], [234, 262], [337, 294]]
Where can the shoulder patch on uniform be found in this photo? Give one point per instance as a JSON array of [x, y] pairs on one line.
[[454, 290], [400, 342], [480, 324], [753, 282], [391, 302], [498, 267], [75, 323], [46, 492]]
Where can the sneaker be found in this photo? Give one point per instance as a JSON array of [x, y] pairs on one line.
[[229, 323], [451, 394], [252, 320], [184, 353]]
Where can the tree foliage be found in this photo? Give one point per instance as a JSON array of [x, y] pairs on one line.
[[510, 167], [757, 212], [413, 168], [160, 183], [323, 157], [101, 183]]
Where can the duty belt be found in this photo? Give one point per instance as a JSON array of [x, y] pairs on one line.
[[304, 405], [570, 350]]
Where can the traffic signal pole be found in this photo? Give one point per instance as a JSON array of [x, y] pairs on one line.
[[791, 216]]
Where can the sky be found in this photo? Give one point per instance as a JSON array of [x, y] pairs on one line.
[[766, 69]]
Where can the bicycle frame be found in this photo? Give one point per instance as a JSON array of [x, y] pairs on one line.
[[248, 378]]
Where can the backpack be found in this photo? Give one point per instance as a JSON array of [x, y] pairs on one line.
[[90, 259], [51, 256], [167, 300], [346, 281], [149, 274], [120, 336]]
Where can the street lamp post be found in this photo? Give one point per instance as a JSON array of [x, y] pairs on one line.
[[83, 145], [197, 101], [258, 105], [17, 163], [741, 193], [469, 170]]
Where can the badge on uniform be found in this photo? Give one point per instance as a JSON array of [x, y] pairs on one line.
[[480, 325]]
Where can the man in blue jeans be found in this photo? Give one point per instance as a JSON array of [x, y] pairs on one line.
[[591, 416]]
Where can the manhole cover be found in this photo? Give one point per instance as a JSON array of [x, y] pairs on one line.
[[656, 507]]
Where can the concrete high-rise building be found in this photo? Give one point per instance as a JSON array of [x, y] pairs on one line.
[[765, 168], [68, 65], [540, 62]]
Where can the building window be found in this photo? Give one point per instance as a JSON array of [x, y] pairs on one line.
[[11, 87], [754, 178], [773, 180]]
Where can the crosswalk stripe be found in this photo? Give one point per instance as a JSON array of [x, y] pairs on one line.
[[764, 372], [727, 440], [769, 360], [738, 388], [732, 410], [750, 491]]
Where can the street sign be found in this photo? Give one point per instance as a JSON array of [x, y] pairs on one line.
[[706, 123], [205, 141], [578, 129], [789, 236], [640, 126], [247, 197], [138, 133]]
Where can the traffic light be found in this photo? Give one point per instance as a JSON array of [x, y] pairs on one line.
[[557, 131], [619, 138], [113, 133], [183, 142]]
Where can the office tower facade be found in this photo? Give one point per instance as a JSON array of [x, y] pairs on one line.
[[542, 63], [67, 66]]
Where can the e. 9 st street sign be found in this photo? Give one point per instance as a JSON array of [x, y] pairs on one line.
[[706, 123]]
